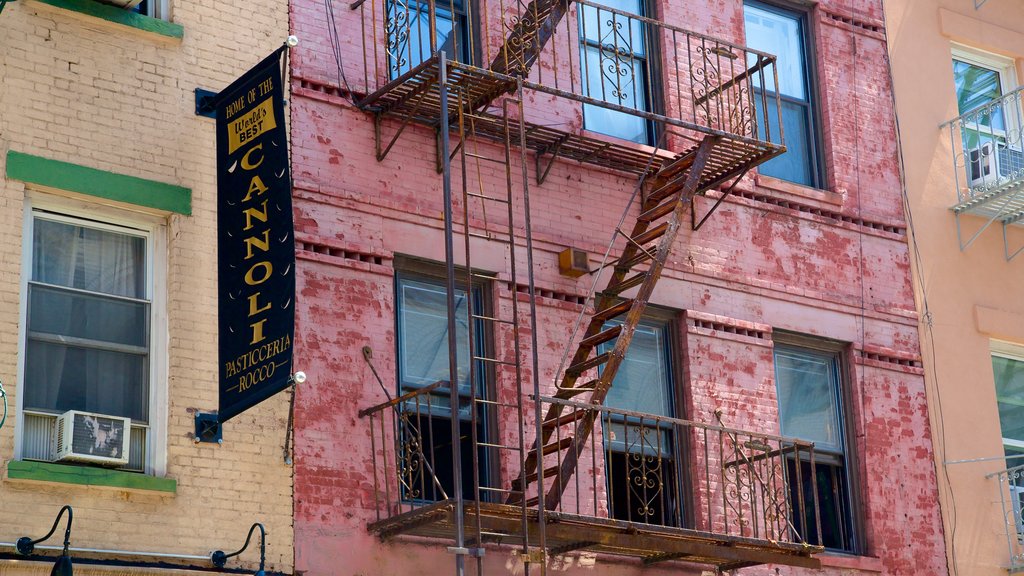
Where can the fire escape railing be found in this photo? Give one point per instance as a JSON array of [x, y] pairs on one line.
[[988, 165], [594, 55], [640, 469], [1011, 500]]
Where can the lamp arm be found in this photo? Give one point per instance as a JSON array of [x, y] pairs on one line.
[[26, 545], [219, 558]]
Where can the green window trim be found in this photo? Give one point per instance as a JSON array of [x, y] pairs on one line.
[[86, 476], [120, 16], [98, 183]]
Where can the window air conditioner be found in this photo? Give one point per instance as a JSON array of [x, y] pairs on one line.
[[1017, 503], [96, 438], [992, 164]]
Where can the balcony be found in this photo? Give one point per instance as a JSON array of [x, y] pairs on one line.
[[576, 59], [650, 487], [988, 166], [1011, 499]]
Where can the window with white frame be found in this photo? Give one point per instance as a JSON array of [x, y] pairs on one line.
[[991, 122], [88, 326], [1008, 372]]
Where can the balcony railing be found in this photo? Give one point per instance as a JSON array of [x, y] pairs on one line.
[[655, 479], [601, 57], [1011, 499], [988, 161]]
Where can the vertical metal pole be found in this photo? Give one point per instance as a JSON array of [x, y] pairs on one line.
[[538, 411], [453, 346]]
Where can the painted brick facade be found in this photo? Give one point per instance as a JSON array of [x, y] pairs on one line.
[[775, 259], [85, 90]]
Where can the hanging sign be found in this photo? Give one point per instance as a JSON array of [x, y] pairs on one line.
[[255, 243]]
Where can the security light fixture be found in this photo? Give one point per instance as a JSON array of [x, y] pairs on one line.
[[219, 558], [63, 565]]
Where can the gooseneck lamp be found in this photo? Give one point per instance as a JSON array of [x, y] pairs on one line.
[[219, 558], [63, 565]]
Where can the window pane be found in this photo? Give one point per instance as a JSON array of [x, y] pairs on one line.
[[808, 404], [408, 36], [60, 377], [1009, 377], [88, 259], [976, 86], [642, 382], [423, 334], [61, 312], [796, 164], [779, 34], [618, 33]]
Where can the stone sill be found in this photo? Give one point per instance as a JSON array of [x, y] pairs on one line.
[[120, 16], [27, 470], [865, 564]]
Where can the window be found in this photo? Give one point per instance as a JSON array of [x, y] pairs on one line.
[[614, 55], [1008, 370], [785, 33], [88, 336], [407, 24], [641, 457], [980, 82], [422, 314], [809, 386], [152, 8]]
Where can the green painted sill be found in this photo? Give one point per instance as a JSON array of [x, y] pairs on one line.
[[85, 476], [98, 183], [120, 16]]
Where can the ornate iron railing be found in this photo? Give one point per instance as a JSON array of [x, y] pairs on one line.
[[599, 56], [403, 453], [651, 469], [1011, 500], [637, 468], [988, 152]]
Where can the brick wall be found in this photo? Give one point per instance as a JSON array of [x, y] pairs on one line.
[[84, 90], [831, 263]]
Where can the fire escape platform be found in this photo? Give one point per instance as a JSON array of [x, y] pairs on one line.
[[502, 523], [415, 97]]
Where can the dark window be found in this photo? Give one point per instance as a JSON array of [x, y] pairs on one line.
[[426, 425], [407, 32], [809, 385], [614, 49], [784, 33], [641, 452], [1009, 376]]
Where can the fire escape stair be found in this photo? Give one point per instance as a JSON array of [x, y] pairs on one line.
[[639, 266]]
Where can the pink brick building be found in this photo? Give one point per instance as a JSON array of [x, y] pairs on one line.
[[785, 318]]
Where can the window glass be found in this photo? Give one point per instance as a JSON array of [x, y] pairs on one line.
[[808, 403], [975, 86], [781, 32], [422, 311], [808, 386], [408, 33], [613, 54], [640, 458], [87, 342], [1009, 377]]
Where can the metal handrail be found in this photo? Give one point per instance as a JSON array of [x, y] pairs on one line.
[[978, 110]]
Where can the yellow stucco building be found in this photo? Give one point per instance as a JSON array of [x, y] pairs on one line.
[[958, 67], [108, 291]]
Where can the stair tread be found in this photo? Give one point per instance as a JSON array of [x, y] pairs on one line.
[[532, 477], [635, 280], [601, 337], [585, 365], [612, 311]]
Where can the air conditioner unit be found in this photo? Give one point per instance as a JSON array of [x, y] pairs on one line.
[[126, 4], [992, 164], [96, 438], [1017, 504]]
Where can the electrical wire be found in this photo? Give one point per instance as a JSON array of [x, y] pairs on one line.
[[332, 33]]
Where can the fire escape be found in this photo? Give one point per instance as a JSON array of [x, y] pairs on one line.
[[717, 107]]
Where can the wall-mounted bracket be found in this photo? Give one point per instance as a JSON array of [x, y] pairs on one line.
[[208, 428], [203, 99]]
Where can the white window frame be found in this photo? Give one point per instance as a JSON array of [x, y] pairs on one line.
[[151, 226], [999, 64], [1014, 352], [158, 9]]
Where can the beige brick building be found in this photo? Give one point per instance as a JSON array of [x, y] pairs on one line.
[[107, 210]]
